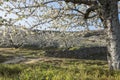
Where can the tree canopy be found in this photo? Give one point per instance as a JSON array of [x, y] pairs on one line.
[[56, 14]]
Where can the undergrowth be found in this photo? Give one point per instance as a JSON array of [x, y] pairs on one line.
[[66, 69]]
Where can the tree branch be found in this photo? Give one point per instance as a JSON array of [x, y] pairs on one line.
[[89, 10], [87, 2], [78, 11]]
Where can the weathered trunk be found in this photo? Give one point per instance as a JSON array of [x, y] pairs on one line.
[[113, 32]]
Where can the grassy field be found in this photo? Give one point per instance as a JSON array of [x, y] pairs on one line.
[[49, 68]]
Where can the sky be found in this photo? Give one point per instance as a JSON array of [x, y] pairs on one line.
[[30, 20]]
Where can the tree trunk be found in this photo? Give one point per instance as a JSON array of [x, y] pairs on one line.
[[113, 33]]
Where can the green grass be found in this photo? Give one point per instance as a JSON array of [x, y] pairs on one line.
[[54, 68], [6, 53], [64, 69]]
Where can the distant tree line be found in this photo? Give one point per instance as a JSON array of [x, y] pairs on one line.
[[45, 39]]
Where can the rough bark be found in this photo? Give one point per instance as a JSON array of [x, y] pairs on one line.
[[113, 33]]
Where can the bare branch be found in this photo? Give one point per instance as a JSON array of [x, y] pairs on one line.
[[89, 10], [87, 2], [78, 11]]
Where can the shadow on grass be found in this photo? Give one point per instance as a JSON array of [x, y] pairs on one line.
[[5, 58], [92, 53]]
